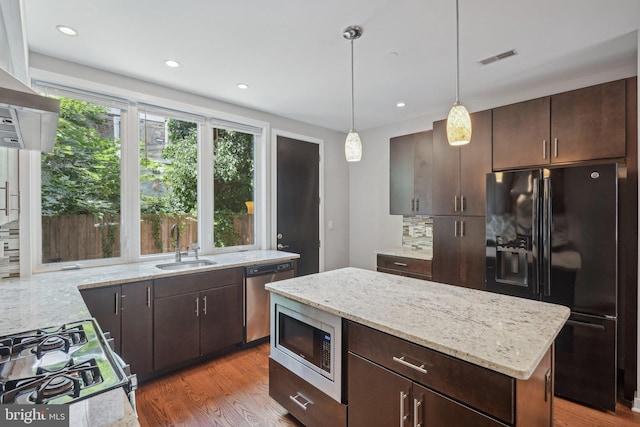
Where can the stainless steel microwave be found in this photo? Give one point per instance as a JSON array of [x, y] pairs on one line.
[[308, 342]]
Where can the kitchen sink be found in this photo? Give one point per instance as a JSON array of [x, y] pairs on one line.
[[184, 265]]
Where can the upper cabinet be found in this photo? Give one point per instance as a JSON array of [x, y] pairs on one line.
[[410, 174], [459, 172], [584, 124]]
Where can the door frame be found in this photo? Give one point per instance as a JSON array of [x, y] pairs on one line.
[[274, 187]]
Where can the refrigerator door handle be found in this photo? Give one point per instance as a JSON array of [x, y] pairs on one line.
[[534, 234], [585, 324], [547, 224]]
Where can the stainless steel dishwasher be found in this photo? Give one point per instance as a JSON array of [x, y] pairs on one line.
[[256, 302]]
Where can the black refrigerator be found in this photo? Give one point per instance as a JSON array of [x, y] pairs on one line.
[[552, 236]]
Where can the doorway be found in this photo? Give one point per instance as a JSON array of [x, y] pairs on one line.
[[298, 201]]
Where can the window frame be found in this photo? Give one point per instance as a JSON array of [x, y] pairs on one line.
[[130, 180]]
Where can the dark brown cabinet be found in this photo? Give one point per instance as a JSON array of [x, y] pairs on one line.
[[584, 124], [126, 312], [459, 172], [459, 250], [391, 381], [378, 396], [410, 174], [195, 315], [404, 266]]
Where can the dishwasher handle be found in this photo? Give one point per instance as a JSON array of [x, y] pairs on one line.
[[261, 270]]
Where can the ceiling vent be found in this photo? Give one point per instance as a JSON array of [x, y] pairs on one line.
[[498, 57]]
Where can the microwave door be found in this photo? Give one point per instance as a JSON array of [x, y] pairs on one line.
[[512, 240]]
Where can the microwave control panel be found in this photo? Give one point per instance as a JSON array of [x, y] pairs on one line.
[[326, 353]]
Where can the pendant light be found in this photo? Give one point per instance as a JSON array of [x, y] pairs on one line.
[[352, 145], [458, 121]]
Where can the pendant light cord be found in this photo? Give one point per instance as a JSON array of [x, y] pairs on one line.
[[352, 96], [457, 55]]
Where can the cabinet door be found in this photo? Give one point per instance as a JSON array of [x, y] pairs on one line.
[[9, 180], [521, 134], [436, 410], [401, 175], [176, 333], [446, 249], [377, 396], [104, 305], [220, 318], [446, 172], [422, 165], [475, 163], [589, 123], [472, 251], [137, 327]]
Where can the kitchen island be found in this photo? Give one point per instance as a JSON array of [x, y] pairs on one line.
[[486, 358]]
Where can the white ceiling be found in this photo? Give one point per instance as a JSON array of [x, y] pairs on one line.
[[293, 56]]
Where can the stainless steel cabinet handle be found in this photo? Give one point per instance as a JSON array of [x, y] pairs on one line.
[[403, 417], [400, 264], [544, 149], [547, 385], [455, 228], [455, 203], [148, 296], [117, 303], [417, 205], [416, 410], [555, 147], [401, 361], [122, 302], [197, 307], [204, 300], [302, 405], [461, 228], [461, 203], [413, 205]]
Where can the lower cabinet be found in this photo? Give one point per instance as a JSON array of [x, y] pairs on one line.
[[459, 250], [305, 402], [404, 266], [125, 311], [378, 396], [195, 315], [393, 382]]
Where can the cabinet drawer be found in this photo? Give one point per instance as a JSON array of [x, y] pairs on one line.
[[285, 386], [483, 389], [195, 282], [404, 273], [412, 265]]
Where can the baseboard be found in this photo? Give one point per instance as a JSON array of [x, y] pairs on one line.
[[636, 403]]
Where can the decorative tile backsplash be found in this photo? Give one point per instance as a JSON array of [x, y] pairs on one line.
[[9, 250], [417, 233]]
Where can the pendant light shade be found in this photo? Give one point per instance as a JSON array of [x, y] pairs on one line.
[[352, 145], [458, 121]]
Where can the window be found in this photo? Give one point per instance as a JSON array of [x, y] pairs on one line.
[[233, 188], [168, 182], [80, 185]]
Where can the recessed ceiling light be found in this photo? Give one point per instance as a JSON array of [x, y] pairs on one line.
[[67, 31], [401, 105], [243, 86], [171, 63]]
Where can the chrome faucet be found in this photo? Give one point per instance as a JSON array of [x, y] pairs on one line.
[[176, 229]]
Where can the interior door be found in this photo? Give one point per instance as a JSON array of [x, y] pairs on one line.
[[298, 201]]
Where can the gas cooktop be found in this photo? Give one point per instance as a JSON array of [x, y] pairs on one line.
[[58, 365]]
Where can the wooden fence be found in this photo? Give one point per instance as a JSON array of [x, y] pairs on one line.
[[81, 237]]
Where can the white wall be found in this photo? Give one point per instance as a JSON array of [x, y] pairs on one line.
[[336, 196]]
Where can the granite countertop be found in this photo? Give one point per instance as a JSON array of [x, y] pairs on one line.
[[505, 334], [407, 253], [52, 299]]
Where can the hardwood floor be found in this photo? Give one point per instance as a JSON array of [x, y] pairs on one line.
[[233, 391]]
